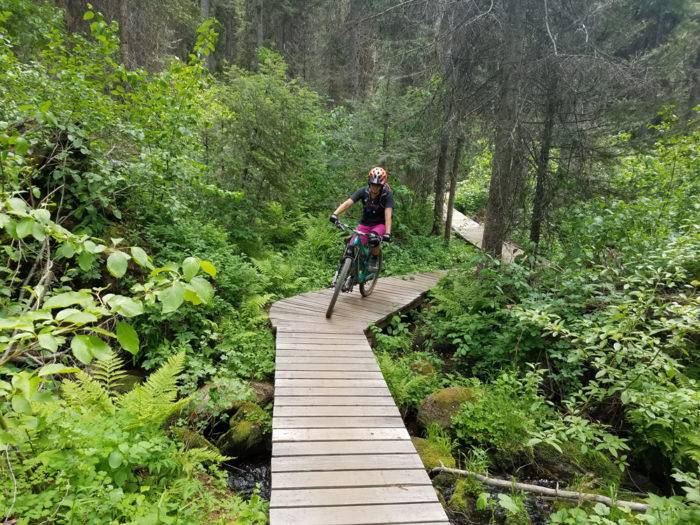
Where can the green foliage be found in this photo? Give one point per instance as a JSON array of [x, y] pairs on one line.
[[108, 458]]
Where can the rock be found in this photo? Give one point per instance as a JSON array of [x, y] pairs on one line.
[[423, 367], [248, 429], [441, 406], [264, 392], [431, 454]]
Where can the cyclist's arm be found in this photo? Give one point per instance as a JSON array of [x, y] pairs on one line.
[[343, 207], [387, 219]]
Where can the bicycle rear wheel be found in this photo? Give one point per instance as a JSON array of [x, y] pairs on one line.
[[367, 287], [339, 282]]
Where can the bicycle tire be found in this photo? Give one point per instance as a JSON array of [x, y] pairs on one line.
[[367, 287], [342, 276]]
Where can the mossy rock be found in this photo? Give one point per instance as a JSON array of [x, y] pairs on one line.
[[431, 454], [247, 433], [423, 367], [264, 392], [441, 406], [192, 439]]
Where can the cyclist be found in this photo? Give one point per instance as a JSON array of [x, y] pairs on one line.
[[377, 207]]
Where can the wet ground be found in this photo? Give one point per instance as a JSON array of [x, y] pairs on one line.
[[246, 474]]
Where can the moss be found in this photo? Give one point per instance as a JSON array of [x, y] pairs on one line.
[[432, 454], [441, 406], [423, 367], [459, 501], [192, 439], [248, 428]]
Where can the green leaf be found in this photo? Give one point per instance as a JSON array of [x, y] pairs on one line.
[[116, 459], [21, 146], [56, 368], [38, 232], [505, 501], [190, 267], [128, 338], [80, 345], [48, 342], [203, 289], [125, 306], [89, 15], [141, 257], [117, 263], [24, 227], [208, 268], [74, 316], [172, 297], [99, 348], [85, 261], [67, 299], [21, 405]]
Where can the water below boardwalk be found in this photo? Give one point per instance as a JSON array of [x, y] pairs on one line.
[[246, 474]]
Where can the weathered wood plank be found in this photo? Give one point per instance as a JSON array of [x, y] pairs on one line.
[[319, 448], [352, 496], [338, 434], [328, 366], [344, 383], [337, 422], [349, 462], [327, 374], [352, 478], [333, 400], [360, 514], [336, 411], [335, 391]]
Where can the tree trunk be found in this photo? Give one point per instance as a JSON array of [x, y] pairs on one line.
[[507, 166], [440, 180], [204, 7], [124, 35], [260, 35], [453, 186], [539, 202]]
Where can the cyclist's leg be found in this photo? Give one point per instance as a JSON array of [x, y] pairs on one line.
[[364, 229], [379, 230]]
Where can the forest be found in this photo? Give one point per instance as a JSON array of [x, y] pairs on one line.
[[167, 170]]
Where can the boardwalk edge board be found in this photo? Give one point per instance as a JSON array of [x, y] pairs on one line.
[[341, 454]]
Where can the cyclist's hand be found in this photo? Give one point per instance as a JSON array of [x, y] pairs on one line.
[[386, 237], [333, 218]]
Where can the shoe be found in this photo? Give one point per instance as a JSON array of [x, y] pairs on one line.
[[373, 264]]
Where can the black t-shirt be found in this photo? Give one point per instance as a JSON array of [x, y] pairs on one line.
[[373, 209]]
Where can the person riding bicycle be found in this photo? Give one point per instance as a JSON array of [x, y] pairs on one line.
[[377, 207]]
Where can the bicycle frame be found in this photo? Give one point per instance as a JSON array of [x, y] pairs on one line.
[[359, 253]]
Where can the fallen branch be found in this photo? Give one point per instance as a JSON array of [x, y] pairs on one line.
[[536, 489]]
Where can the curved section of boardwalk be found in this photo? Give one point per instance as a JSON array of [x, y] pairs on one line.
[[340, 452]]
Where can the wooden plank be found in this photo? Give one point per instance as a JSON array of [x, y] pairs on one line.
[[328, 366], [338, 434], [326, 353], [314, 391], [319, 326], [359, 515], [333, 401], [345, 411], [327, 374], [349, 462], [340, 345], [351, 478], [319, 448], [311, 337], [337, 422], [352, 496], [320, 360], [327, 383]]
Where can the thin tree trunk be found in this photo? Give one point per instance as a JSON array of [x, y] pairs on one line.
[[538, 205], [204, 11], [507, 164], [124, 32], [453, 185], [440, 180]]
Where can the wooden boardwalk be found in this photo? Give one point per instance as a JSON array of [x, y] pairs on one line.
[[340, 452], [473, 232]]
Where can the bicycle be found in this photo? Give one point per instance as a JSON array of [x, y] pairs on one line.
[[353, 268]]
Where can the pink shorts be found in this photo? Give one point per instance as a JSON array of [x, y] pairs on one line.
[[378, 229]]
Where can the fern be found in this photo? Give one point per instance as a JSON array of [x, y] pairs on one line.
[[110, 374], [155, 401], [87, 393]]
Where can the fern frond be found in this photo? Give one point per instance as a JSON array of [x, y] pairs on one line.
[[154, 401], [86, 393], [109, 373]]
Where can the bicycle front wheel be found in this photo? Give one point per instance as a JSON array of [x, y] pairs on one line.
[[339, 282], [367, 287]]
